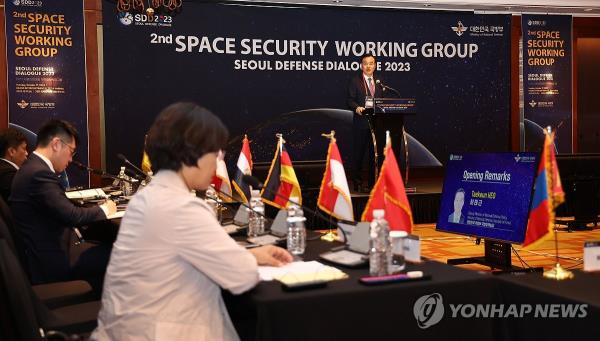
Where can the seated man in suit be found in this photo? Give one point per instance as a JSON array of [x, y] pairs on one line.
[[13, 151], [41, 209]]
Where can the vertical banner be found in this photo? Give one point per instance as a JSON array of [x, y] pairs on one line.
[[46, 68], [547, 79]]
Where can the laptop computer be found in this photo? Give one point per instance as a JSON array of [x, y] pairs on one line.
[[240, 221], [356, 252]]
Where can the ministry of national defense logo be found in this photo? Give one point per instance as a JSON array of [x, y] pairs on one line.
[[22, 104], [429, 310], [459, 28]]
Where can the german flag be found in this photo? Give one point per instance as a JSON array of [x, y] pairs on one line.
[[281, 180]]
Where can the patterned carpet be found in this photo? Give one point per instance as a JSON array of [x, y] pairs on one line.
[[441, 246]]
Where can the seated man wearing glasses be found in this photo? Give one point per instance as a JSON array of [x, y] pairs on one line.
[[42, 211]]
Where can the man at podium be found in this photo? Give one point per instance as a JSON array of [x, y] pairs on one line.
[[362, 89]]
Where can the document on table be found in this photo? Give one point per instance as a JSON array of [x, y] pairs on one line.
[[297, 272], [92, 193], [118, 214]]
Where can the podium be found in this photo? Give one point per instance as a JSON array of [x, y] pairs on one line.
[[388, 114]]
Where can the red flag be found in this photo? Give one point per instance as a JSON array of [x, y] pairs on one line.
[[389, 194], [334, 195], [221, 181], [547, 195]]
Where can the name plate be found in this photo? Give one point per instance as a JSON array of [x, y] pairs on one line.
[[591, 256], [412, 248], [395, 105]]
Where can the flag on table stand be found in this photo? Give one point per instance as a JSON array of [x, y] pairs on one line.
[[221, 181], [146, 165], [389, 194], [243, 167], [281, 179], [334, 195], [547, 195]]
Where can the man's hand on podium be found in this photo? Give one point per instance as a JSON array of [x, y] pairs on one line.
[[359, 110]]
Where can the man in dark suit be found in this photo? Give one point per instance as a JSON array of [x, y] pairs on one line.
[[13, 148], [41, 209], [360, 87]]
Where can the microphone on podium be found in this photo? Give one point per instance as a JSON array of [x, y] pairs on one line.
[[255, 183], [130, 164], [385, 87]]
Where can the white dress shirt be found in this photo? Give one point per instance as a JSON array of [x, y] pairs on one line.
[[10, 163], [167, 268]]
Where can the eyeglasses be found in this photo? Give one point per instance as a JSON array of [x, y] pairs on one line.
[[71, 149]]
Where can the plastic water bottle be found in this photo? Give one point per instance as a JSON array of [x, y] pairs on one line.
[[256, 216], [124, 183], [380, 252], [296, 237], [211, 199]]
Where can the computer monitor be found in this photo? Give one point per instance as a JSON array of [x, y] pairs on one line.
[[488, 195]]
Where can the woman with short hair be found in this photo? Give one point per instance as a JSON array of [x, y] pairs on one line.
[[172, 257]]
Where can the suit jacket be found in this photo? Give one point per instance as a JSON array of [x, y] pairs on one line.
[[7, 173], [357, 91], [42, 212], [461, 219], [167, 268]]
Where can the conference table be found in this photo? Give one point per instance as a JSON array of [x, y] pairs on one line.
[[348, 310]]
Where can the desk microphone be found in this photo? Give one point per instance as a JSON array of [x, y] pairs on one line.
[[255, 183], [97, 171], [124, 159], [385, 87]]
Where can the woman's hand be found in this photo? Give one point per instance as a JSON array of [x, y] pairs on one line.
[[271, 255]]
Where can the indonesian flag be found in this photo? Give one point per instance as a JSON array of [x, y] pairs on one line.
[[221, 181], [243, 167], [389, 194], [281, 180], [334, 195], [547, 195]]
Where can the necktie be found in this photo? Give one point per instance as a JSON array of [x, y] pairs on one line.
[[371, 86]]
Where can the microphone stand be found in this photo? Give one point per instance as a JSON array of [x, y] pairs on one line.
[[98, 172], [261, 186]]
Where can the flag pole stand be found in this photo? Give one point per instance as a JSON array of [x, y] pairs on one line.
[[330, 236], [558, 272]]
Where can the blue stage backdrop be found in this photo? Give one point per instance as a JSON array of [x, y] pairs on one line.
[[46, 68], [268, 69], [547, 79]]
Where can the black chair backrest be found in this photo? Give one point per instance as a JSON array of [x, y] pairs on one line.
[[19, 296], [16, 240], [7, 235]]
